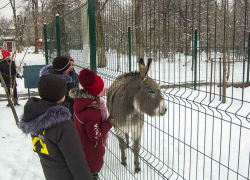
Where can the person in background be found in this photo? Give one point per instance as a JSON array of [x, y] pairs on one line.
[[90, 118], [72, 72], [61, 66], [8, 71], [54, 137]]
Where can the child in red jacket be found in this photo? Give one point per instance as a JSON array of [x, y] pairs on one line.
[[90, 118]]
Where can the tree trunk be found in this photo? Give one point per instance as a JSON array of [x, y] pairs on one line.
[[138, 26], [224, 91], [13, 6], [100, 39], [8, 98], [35, 5], [227, 40], [85, 35]]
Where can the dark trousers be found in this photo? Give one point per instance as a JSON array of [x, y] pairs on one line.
[[15, 90], [69, 103]]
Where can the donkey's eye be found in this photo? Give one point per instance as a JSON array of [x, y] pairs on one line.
[[151, 92]]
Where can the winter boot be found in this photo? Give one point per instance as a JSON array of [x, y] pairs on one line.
[[16, 102]]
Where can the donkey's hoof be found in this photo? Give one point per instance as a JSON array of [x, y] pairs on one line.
[[137, 170], [124, 163]]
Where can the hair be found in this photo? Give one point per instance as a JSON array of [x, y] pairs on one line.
[[98, 100]]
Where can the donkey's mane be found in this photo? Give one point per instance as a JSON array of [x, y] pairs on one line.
[[130, 76], [134, 73]]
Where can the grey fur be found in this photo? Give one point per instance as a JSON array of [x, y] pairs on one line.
[[80, 93], [48, 68], [45, 70], [126, 91], [53, 116]]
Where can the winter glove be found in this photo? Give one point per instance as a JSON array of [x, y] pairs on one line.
[[111, 120]]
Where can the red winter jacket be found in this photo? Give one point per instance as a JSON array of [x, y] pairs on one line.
[[90, 129]]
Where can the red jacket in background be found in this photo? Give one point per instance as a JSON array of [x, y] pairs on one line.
[[92, 132]]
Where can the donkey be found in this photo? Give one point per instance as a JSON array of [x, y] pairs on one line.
[[129, 97]]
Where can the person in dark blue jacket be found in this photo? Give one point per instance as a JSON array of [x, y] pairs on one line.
[[54, 137], [72, 72]]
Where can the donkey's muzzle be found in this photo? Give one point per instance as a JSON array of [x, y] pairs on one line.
[[162, 109]]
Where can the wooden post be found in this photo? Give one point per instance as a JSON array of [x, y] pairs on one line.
[[8, 98]]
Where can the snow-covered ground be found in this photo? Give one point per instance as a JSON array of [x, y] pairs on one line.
[[17, 159], [196, 139]]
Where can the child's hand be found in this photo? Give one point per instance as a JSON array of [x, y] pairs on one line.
[[111, 120]]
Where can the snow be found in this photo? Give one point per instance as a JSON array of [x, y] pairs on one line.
[[18, 161], [181, 142]]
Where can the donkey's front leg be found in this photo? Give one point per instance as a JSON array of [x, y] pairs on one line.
[[122, 144], [123, 148], [136, 149]]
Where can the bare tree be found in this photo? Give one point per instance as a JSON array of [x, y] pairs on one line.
[[138, 26], [34, 4], [13, 6], [5, 27], [43, 6], [100, 38]]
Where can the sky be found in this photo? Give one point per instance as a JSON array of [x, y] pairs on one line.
[[7, 11]]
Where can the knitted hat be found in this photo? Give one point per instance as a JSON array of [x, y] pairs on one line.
[[61, 64], [51, 87], [5, 53], [91, 82], [70, 58]]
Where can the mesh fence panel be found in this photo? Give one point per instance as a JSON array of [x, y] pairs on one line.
[[200, 54], [74, 38]]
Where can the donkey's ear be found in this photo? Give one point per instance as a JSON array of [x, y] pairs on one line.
[[145, 69], [149, 62], [141, 63]]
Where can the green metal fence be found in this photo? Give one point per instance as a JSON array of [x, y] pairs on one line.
[[201, 57], [69, 34]]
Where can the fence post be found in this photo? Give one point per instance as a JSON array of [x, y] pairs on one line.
[[195, 59], [58, 41], [211, 81], [248, 57], [129, 47], [224, 80], [92, 35], [220, 79], [45, 43]]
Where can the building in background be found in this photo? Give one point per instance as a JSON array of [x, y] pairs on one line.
[[9, 43]]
